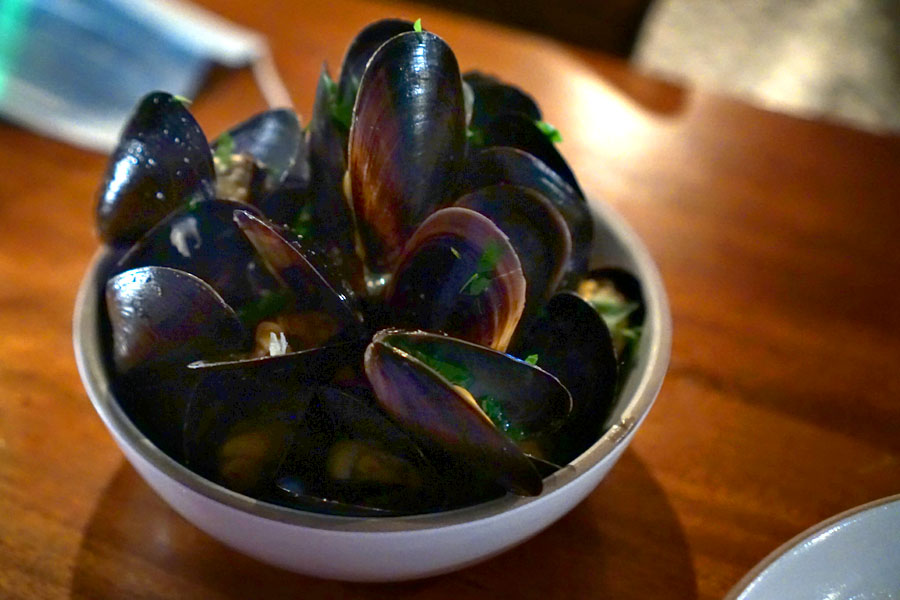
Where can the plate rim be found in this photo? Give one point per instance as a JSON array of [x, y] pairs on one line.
[[745, 583]]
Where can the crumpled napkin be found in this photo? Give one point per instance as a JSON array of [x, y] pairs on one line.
[[74, 69]]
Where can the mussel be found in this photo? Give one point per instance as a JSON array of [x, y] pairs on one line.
[[390, 312]]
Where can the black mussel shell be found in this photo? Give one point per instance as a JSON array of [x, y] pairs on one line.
[[203, 239], [519, 131], [361, 50], [506, 165], [304, 367], [616, 295], [239, 428], [327, 219], [351, 459], [161, 162], [459, 275], [466, 448], [273, 138], [164, 317], [407, 142], [572, 342], [311, 290], [536, 230], [492, 97], [523, 400]]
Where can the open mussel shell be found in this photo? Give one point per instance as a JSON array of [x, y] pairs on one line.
[[273, 139], [361, 50], [460, 275], [454, 433], [536, 230], [492, 97], [311, 290], [506, 165], [407, 142], [163, 317], [351, 459], [202, 239], [572, 342], [624, 282], [519, 131], [239, 428], [161, 162], [305, 367], [529, 401]]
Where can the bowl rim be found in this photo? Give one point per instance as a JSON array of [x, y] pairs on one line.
[[658, 337]]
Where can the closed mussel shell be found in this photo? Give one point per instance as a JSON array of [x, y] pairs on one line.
[[506, 165], [361, 50], [407, 142], [239, 428], [535, 229], [572, 342], [327, 219], [353, 460], [162, 160], [466, 448], [519, 131], [492, 97], [459, 275]]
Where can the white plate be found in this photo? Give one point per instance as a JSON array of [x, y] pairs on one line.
[[852, 556]]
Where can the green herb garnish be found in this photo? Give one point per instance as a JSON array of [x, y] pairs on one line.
[[532, 359], [224, 149], [303, 222], [550, 131], [417, 26], [449, 370], [494, 411], [481, 278], [475, 136], [455, 252], [341, 112], [268, 304], [184, 101]]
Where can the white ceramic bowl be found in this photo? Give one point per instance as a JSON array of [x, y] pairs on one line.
[[852, 556], [395, 548]]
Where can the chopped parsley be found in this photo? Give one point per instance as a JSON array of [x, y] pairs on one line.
[[481, 278], [341, 111], [453, 372], [303, 222], [268, 304], [550, 131], [455, 252], [614, 312], [417, 26], [532, 359], [475, 136], [494, 411], [184, 101], [224, 149]]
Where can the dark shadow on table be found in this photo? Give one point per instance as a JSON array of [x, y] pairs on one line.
[[624, 541]]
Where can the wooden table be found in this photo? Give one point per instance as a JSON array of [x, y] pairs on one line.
[[777, 239]]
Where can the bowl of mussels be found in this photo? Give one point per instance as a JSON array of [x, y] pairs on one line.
[[386, 344]]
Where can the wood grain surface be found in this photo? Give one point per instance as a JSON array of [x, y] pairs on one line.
[[777, 240]]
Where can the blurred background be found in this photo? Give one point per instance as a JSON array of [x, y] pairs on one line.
[[837, 60], [832, 60]]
